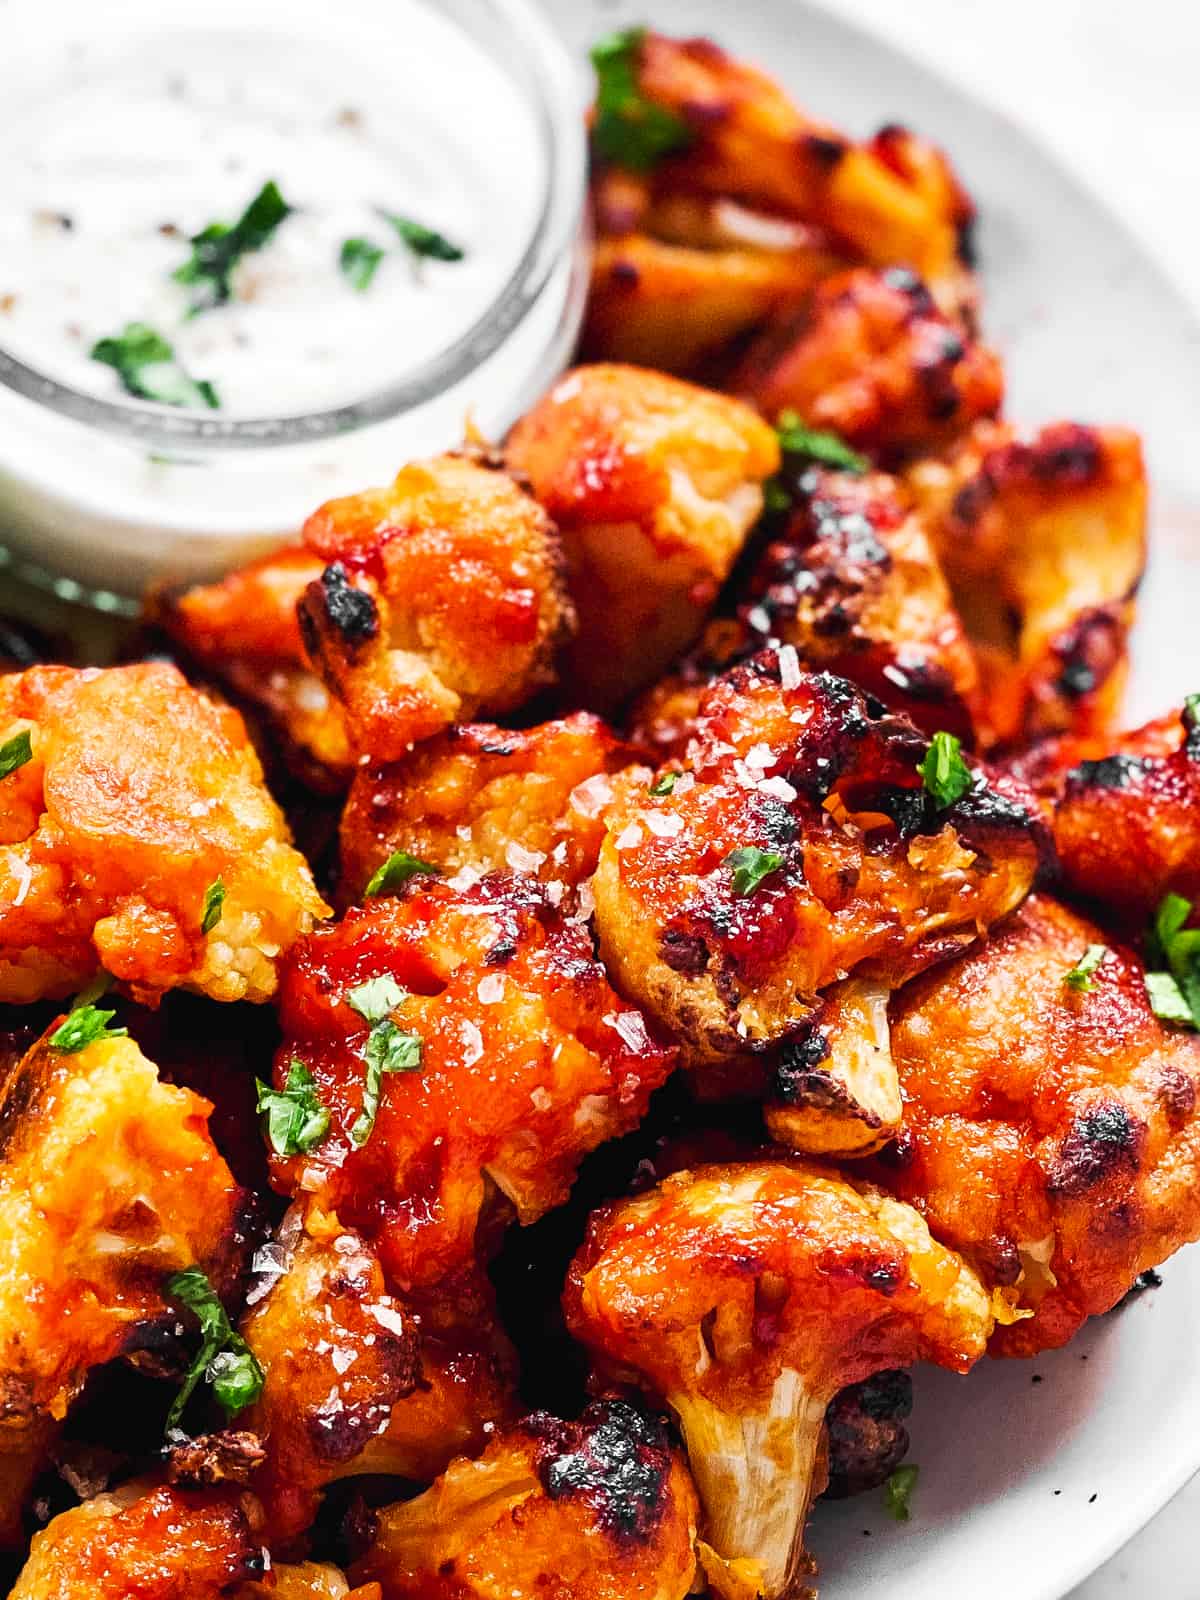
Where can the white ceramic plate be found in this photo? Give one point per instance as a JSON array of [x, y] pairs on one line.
[[1025, 1487]]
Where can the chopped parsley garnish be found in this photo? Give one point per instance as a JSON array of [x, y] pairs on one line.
[[296, 1118], [15, 752], [422, 241], [1174, 994], [394, 872], [898, 1492], [359, 258], [629, 129], [218, 249], [224, 1359], [387, 1050], [664, 784], [1191, 712], [214, 904], [947, 776], [796, 438], [375, 998], [146, 365], [1080, 976], [85, 1025], [750, 866]]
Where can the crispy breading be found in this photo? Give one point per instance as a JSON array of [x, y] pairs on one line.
[[1051, 1135], [894, 200], [654, 484], [858, 868], [141, 794], [850, 580], [442, 598], [244, 630], [1043, 543], [109, 1182], [872, 358], [675, 307], [355, 1383], [1125, 811], [745, 1296], [152, 1543], [528, 1060], [599, 1509], [489, 799]]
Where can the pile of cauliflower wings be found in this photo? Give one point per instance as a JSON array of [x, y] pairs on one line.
[[525, 1013]]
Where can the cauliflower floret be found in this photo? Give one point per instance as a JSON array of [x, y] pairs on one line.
[[155, 1543], [599, 1509], [139, 837], [1051, 1132], [871, 357], [442, 598], [745, 1297], [354, 1381], [851, 583], [1043, 543], [511, 1058], [245, 632], [654, 484], [109, 1182], [801, 845], [489, 799]]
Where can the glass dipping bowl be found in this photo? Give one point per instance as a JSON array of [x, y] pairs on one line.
[[100, 495]]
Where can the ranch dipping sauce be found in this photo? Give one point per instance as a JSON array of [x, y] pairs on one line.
[[323, 234]]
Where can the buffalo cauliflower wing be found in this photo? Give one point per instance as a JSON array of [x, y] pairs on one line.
[[1051, 1131], [146, 1542], [1043, 543], [245, 632], [109, 1182], [872, 358], [139, 838], [598, 1509], [1125, 811], [353, 1381], [488, 799], [801, 844], [442, 597], [850, 581], [467, 1046], [744, 1297], [654, 485]]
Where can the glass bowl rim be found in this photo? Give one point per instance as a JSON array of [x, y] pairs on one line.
[[551, 80]]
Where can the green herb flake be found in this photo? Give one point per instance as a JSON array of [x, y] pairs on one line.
[[898, 1492], [217, 250], [87, 1024], [296, 1120], [387, 1050], [146, 365], [426, 243], [1191, 712], [375, 998], [15, 752], [1079, 979], [1174, 994], [91, 992], [946, 775], [750, 866], [629, 129], [797, 439], [663, 785], [359, 260], [224, 1359], [214, 904], [395, 871]]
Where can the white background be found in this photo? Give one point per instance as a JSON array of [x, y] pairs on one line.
[[1112, 89]]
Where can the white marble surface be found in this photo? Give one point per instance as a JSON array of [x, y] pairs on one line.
[[1110, 86]]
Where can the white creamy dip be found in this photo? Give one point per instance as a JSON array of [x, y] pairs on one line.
[[125, 128]]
